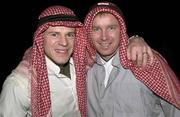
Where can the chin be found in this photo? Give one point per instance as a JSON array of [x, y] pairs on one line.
[[63, 61]]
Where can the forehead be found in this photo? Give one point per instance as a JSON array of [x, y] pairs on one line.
[[106, 17], [60, 29]]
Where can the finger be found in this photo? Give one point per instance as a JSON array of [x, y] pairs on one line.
[[144, 60], [139, 58], [144, 55], [150, 54], [134, 53]]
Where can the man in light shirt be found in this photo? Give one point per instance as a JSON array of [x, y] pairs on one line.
[[116, 87]]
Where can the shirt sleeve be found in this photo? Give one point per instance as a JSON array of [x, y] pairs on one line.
[[14, 98]]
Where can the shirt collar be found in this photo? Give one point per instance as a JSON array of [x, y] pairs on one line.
[[53, 68], [115, 60]]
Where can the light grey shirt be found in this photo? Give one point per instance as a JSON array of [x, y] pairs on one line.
[[15, 100], [124, 95]]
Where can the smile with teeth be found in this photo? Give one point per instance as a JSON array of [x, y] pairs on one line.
[[61, 50], [104, 45]]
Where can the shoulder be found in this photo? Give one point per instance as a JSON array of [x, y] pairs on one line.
[[92, 68], [19, 77], [17, 80], [16, 84]]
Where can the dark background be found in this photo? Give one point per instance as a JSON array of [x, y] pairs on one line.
[[157, 21]]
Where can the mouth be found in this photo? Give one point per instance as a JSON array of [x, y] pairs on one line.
[[104, 45], [61, 51]]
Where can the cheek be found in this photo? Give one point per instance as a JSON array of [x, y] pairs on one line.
[[49, 42], [93, 41], [95, 38], [47, 46], [45, 43], [71, 44], [116, 36]]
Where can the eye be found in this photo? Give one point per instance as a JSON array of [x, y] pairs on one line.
[[53, 34], [112, 27], [71, 35], [96, 29]]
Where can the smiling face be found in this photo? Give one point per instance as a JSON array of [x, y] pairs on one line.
[[59, 43], [106, 35]]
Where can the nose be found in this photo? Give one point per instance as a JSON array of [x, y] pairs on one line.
[[104, 35], [63, 41]]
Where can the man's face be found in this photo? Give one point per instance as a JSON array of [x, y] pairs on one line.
[[59, 43], [106, 35]]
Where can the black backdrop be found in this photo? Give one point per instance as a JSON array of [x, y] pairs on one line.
[[155, 20]]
